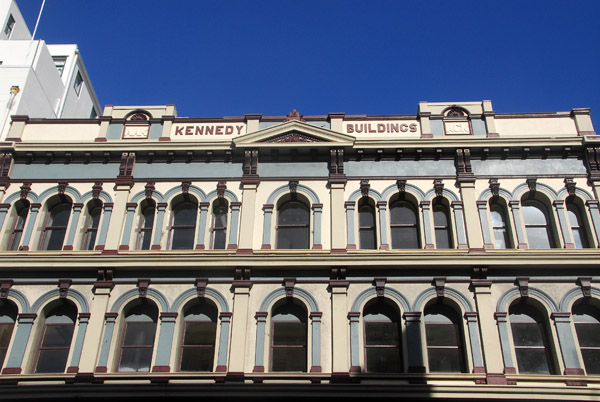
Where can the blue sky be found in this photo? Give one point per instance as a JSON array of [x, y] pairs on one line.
[[229, 58]]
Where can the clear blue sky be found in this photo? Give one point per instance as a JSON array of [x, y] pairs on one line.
[[226, 58]]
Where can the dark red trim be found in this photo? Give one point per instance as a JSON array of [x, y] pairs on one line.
[[155, 247], [338, 251], [11, 370], [100, 247], [221, 369], [100, 139], [123, 247], [317, 247], [161, 369], [316, 369], [101, 369], [232, 247], [496, 379], [68, 248], [110, 252], [509, 370], [265, 247], [478, 370], [258, 369], [199, 247], [245, 251], [355, 369], [574, 371], [72, 369], [164, 139]]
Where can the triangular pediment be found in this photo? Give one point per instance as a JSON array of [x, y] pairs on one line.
[[294, 133]]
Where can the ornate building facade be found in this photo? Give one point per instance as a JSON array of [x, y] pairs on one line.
[[447, 254]]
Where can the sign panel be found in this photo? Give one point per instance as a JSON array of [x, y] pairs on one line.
[[207, 131], [382, 128]]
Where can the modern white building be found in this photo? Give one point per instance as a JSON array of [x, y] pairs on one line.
[[37, 79]]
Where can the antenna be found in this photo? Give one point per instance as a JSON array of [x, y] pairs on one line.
[[38, 19]]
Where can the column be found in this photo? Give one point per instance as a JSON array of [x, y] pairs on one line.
[[317, 209], [565, 229], [225, 318], [350, 205], [108, 206], [266, 241], [488, 241], [425, 211], [91, 342], [17, 352], [239, 326], [33, 211], [337, 218], [593, 208], [109, 327], [412, 320], [115, 227], [354, 317], [459, 222], [473, 224], [73, 226], [315, 318], [165, 342], [568, 346], [200, 245], [233, 225], [78, 344], [131, 206], [159, 224], [259, 354], [339, 326], [382, 209], [478, 366], [516, 213], [247, 219]]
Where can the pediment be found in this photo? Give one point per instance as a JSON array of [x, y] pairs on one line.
[[294, 133]]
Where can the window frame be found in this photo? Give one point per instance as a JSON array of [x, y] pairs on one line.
[[417, 226], [437, 204], [78, 83], [501, 209], [143, 230], [16, 227], [459, 329], [305, 346], [586, 305], [366, 202], [49, 312], [182, 346], [47, 227], [8, 311], [10, 25], [91, 226], [173, 228], [581, 224], [279, 225], [549, 226], [150, 310], [219, 203], [389, 305]]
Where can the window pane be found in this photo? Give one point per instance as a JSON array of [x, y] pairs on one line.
[[139, 333], [402, 214], [444, 360], [289, 359], [293, 213], [366, 216], [221, 219], [52, 361], [185, 214], [135, 359], [497, 218], [58, 336], [183, 239], [367, 239], [146, 240], [292, 237], [538, 237], [405, 237], [5, 334], [527, 334], [60, 215], [441, 334], [591, 359], [533, 215], [499, 238], [442, 238], [54, 239], [148, 218], [197, 359], [440, 217], [289, 333], [588, 335], [219, 239], [383, 360], [532, 361], [200, 333], [381, 333]]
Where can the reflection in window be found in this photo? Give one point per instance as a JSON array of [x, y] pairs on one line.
[[293, 225], [55, 229], [404, 225], [199, 333], [587, 325], [148, 209], [56, 338], [383, 353], [8, 316], [92, 221], [137, 342], [444, 340], [22, 207], [183, 229], [530, 339], [288, 337], [441, 223], [219, 224], [537, 228], [366, 225], [577, 228], [499, 226]]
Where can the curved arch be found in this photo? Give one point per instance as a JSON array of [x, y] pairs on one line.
[[487, 194], [193, 293], [134, 293], [54, 190], [103, 195], [299, 293], [138, 111], [73, 295], [445, 193], [448, 292], [390, 293], [460, 108], [372, 193], [177, 190], [228, 194], [581, 193], [572, 295], [314, 199], [31, 197], [20, 299], [544, 188], [514, 293], [156, 195], [410, 188]]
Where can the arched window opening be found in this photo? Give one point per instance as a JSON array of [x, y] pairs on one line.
[[530, 339], [137, 342], [293, 225], [184, 224], [383, 352], [366, 225], [8, 317], [443, 329], [92, 221], [57, 334], [535, 217], [147, 213], [404, 224], [57, 220], [500, 227], [289, 336], [441, 223], [199, 335], [22, 208], [219, 224], [587, 325], [578, 229]]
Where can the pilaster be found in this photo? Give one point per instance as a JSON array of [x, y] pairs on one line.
[[91, 343], [115, 227], [239, 326], [339, 326]]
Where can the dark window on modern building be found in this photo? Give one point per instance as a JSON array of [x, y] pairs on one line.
[[219, 224], [59, 62], [404, 224], [57, 334], [183, 228], [367, 233], [22, 208], [383, 352], [137, 343], [92, 222], [55, 229], [199, 335], [289, 336], [10, 24], [587, 325], [537, 227], [78, 83], [147, 212], [445, 351], [293, 225]]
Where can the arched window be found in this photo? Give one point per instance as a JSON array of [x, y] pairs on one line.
[[500, 227], [587, 325], [383, 353], [183, 228], [57, 334], [535, 217], [137, 342], [147, 212], [366, 224], [443, 329], [92, 221], [219, 224], [293, 225], [8, 317], [404, 223], [199, 334], [289, 336], [22, 208], [441, 223], [577, 226], [55, 229], [530, 339]]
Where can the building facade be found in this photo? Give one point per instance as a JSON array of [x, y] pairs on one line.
[[447, 254]]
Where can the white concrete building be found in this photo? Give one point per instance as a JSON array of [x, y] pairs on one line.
[[39, 80]]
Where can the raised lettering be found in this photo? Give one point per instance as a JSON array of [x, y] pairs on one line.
[[199, 130], [228, 130], [179, 130], [403, 128], [413, 128], [219, 130], [210, 130], [381, 128], [350, 128], [359, 126], [239, 129], [189, 130], [394, 127], [371, 130]]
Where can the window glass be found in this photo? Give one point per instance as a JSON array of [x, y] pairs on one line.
[[445, 351], [199, 334], [92, 221], [443, 237], [366, 225], [536, 225], [499, 227], [219, 228], [78, 83], [8, 316], [9, 26], [293, 226], [530, 339], [184, 225], [146, 225], [56, 226], [577, 229], [404, 225], [56, 339], [587, 326], [138, 338], [20, 219], [288, 337], [382, 338], [59, 62]]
